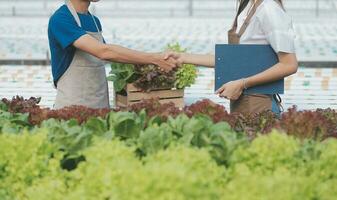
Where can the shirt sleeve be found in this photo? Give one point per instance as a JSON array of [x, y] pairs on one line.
[[278, 27], [65, 30]]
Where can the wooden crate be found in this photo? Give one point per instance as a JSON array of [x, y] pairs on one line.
[[165, 95]]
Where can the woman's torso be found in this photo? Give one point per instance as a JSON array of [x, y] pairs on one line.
[[269, 25]]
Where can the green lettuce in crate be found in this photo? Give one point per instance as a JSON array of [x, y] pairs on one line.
[[187, 73], [149, 77], [121, 74]]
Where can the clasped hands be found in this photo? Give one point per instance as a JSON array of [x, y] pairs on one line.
[[231, 90], [166, 62]]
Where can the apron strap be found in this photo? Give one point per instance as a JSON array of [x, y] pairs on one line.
[[239, 10], [95, 23], [73, 12], [247, 21], [77, 18], [249, 17]]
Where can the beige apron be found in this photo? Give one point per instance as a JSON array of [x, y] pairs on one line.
[[84, 82], [252, 103]]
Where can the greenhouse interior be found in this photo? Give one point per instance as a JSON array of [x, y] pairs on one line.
[[166, 135]]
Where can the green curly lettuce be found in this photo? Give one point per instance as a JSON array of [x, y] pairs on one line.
[[187, 73]]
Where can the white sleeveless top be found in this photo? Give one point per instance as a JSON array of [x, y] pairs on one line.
[[269, 25]]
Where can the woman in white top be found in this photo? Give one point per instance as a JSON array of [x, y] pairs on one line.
[[257, 22]]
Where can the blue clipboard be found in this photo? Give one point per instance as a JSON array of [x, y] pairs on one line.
[[234, 62]]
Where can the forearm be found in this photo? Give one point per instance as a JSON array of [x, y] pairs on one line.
[[116, 53], [274, 73], [197, 59]]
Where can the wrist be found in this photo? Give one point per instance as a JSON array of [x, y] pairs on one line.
[[244, 85], [154, 58], [249, 83], [183, 57]]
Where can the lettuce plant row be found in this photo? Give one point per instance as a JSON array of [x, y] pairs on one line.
[[157, 151], [129, 155], [319, 124]]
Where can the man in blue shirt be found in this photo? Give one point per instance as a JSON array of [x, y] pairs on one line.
[[77, 54]]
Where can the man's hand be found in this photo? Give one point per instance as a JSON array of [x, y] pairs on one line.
[[175, 55], [165, 64]]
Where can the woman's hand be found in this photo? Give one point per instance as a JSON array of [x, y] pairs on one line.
[[207, 60], [231, 90]]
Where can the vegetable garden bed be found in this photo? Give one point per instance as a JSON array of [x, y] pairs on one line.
[[157, 151]]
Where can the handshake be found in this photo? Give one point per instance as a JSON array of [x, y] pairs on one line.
[[171, 59], [168, 60]]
